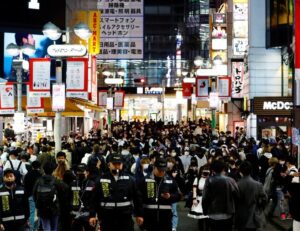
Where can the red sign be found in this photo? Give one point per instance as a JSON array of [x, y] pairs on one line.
[[186, 90]]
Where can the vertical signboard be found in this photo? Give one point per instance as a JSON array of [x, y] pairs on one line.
[[202, 84], [94, 80], [240, 27], [102, 98], [237, 79], [94, 24], [121, 29], [77, 78], [35, 104], [187, 90], [119, 99], [58, 97], [224, 86], [7, 97], [39, 78]]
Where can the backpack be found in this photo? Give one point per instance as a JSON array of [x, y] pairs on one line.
[[269, 181], [17, 172], [46, 198]]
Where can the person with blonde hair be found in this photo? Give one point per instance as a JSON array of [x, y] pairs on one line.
[[62, 166]]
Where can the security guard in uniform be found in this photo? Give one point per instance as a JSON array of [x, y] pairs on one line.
[[159, 192], [81, 195], [116, 198], [14, 206]]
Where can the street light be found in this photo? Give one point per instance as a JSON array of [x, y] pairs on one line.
[[54, 33], [198, 61], [19, 65], [112, 78]]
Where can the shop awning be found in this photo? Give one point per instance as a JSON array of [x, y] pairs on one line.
[[87, 104], [72, 110]]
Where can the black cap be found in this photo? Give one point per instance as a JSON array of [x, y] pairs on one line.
[[12, 151], [116, 158], [8, 170], [161, 163], [81, 167]]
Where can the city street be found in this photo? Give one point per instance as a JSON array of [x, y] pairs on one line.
[[186, 223]]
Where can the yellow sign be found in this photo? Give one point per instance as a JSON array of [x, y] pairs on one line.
[[94, 24]]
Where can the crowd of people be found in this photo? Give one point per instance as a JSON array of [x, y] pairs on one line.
[[142, 170]]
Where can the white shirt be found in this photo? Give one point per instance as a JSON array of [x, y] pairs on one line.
[[85, 159], [15, 164], [32, 158], [186, 161]]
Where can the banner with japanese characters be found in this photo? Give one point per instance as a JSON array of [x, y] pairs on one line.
[[121, 29], [7, 99], [35, 104], [119, 99], [39, 78], [102, 98], [237, 79], [94, 40], [202, 84], [77, 78], [224, 86]]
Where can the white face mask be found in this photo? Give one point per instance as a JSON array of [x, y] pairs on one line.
[[145, 166], [281, 162], [170, 164], [173, 154], [186, 153]]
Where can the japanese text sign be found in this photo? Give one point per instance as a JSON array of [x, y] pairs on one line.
[[237, 79]]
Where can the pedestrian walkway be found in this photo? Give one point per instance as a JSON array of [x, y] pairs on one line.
[[186, 223]]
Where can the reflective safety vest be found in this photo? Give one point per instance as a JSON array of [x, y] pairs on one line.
[[14, 205]]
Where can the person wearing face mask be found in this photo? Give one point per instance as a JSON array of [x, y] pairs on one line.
[[196, 211], [186, 159], [172, 171], [159, 192], [116, 198], [178, 163], [14, 207], [80, 199], [143, 170]]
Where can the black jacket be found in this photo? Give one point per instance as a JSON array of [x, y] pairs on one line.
[[152, 188], [294, 190], [30, 180], [81, 195], [114, 198], [14, 206]]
